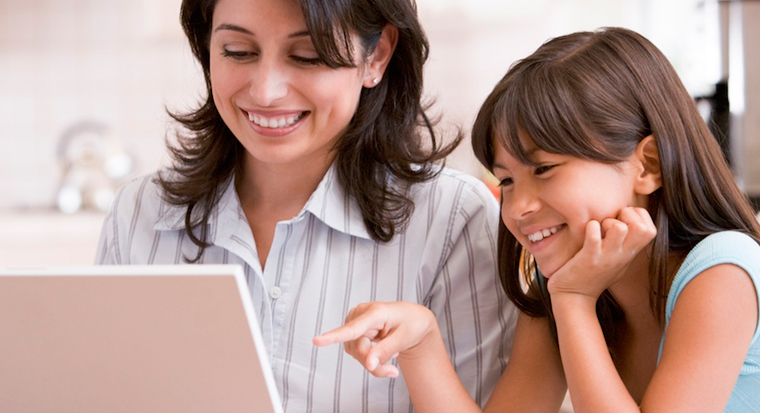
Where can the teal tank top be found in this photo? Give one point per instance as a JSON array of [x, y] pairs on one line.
[[720, 248]]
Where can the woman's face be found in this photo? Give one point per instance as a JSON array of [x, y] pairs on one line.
[[282, 104]]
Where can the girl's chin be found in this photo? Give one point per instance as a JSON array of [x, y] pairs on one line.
[[550, 270]]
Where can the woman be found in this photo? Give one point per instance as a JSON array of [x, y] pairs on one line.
[[306, 165]]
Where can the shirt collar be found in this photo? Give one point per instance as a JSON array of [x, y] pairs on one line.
[[329, 203], [172, 217], [333, 206]]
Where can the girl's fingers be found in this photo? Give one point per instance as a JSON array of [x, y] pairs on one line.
[[640, 226], [338, 335], [615, 232], [362, 346], [388, 348], [593, 235], [645, 216], [363, 325], [375, 333], [386, 370]]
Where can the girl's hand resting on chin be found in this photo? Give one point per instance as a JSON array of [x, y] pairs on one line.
[[377, 332], [608, 250]]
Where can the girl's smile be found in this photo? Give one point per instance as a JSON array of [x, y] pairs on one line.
[[540, 235], [546, 205]]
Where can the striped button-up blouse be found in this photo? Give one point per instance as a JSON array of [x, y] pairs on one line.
[[323, 262]]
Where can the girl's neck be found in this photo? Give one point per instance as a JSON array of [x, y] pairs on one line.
[[633, 293]]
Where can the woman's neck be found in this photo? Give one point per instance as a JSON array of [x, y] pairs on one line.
[[283, 188], [273, 193]]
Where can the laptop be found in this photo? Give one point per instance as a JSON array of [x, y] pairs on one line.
[[131, 339]]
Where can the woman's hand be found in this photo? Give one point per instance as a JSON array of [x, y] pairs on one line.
[[608, 250], [377, 332]]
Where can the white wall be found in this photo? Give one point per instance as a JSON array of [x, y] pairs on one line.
[[120, 62], [474, 42], [115, 62], [744, 82]]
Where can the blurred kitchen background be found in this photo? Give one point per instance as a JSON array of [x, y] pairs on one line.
[[84, 85]]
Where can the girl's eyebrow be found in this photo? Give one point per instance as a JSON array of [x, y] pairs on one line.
[[302, 33], [497, 165], [235, 28], [532, 149]]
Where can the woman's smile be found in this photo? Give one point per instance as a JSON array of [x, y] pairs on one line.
[[275, 125], [269, 83], [276, 121]]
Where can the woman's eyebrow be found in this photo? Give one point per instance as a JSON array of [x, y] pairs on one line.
[[233, 28], [236, 28]]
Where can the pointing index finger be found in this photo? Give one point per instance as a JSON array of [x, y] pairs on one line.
[[360, 326]]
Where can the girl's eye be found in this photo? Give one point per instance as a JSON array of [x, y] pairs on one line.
[[542, 169], [307, 61], [505, 182]]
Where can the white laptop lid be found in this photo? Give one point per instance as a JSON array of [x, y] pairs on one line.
[[131, 339]]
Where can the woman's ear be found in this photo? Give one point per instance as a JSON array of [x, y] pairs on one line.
[[379, 58], [647, 159]]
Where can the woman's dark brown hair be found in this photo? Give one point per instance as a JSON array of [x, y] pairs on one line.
[[595, 96], [382, 151]]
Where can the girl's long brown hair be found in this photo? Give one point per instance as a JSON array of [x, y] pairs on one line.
[[595, 96]]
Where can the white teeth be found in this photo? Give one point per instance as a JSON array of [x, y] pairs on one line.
[[273, 123], [539, 235]]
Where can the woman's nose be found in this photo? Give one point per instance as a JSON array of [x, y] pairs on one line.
[[269, 83]]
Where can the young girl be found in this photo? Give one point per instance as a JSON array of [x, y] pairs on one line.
[[590, 136], [311, 163]]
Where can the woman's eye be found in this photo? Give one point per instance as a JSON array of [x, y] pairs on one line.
[[237, 54], [542, 169], [307, 61]]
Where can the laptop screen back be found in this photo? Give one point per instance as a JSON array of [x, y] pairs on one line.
[[131, 339]]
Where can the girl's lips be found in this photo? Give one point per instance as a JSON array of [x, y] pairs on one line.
[[544, 233], [537, 243]]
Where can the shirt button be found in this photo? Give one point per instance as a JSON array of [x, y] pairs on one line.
[[275, 292]]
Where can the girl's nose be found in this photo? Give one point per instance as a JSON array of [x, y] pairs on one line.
[[269, 83], [521, 201]]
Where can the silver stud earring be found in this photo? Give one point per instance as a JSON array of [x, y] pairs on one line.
[[375, 80]]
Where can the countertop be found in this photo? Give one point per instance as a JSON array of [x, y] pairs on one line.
[[48, 237]]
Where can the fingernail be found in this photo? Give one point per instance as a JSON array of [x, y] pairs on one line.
[[373, 363]]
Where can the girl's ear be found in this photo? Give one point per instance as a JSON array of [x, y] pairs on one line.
[[647, 158], [378, 60]]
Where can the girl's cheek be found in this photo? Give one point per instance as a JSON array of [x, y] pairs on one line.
[[512, 229]]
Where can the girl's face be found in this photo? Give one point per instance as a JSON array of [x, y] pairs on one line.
[[282, 104], [546, 207]]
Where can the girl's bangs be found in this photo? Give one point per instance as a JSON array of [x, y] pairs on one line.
[[545, 114]]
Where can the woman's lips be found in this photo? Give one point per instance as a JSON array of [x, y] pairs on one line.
[[276, 125], [277, 121]]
